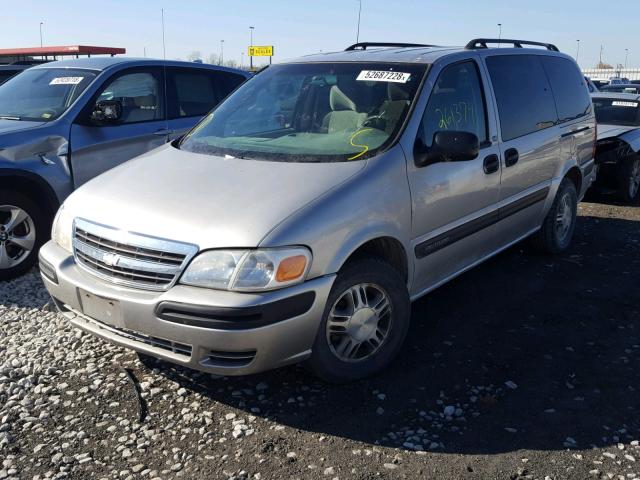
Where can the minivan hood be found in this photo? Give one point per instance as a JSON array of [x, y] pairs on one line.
[[7, 126], [210, 201]]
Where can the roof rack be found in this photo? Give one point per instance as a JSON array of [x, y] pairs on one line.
[[478, 43], [365, 45]]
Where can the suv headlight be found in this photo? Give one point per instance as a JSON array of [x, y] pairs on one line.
[[248, 270], [63, 229]]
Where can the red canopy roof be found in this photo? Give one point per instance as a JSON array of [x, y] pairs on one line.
[[62, 50]]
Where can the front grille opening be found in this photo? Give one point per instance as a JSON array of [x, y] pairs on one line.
[[138, 276], [137, 253], [142, 338], [230, 359]]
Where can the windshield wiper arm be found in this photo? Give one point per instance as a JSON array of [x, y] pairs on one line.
[[9, 117]]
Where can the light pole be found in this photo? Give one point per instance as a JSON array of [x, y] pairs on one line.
[[359, 15], [499, 33], [578, 51], [221, 62], [626, 57], [251, 45], [41, 23]]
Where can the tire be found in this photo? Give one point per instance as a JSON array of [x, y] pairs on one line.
[[629, 179], [32, 232], [552, 237], [375, 280]]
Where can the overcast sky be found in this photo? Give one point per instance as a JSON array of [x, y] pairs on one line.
[[298, 27]]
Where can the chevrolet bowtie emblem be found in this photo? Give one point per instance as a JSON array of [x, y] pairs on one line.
[[111, 259]]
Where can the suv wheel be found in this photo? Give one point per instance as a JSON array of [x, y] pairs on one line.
[[22, 232], [556, 232], [629, 179], [364, 323]]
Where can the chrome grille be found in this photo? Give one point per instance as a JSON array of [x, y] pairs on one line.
[[128, 258]]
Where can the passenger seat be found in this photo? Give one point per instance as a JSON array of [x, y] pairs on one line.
[[343, 115], [393, 108]]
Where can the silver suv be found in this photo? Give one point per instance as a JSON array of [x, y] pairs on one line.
[[300, 218]]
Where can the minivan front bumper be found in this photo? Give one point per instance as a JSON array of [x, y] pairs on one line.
[[221, 332]]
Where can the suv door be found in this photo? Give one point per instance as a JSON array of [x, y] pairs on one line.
[[97, 147], [454, 203], [530, 147], [192, 93]]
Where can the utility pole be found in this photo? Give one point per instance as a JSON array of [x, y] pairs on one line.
[[359, 15], [221, 52], [499, 33], [626, 57], [578, 51], [41, 23], [251, 45], [601, 49], [241, 60]]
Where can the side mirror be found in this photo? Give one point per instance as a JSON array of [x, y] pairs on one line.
[[447, 146], [107, 111]]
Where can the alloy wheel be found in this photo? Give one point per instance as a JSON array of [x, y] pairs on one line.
[[564, 217], [17, 236], [359, 322]]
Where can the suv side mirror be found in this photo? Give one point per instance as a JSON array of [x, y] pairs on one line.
[[447, 146], [107, 111]]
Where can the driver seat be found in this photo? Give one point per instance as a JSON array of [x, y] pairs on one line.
[[393, 108], [343, 115]]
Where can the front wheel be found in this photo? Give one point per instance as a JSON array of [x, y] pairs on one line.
[[629, 179], [364, 324], [22, 231], [556, 232]]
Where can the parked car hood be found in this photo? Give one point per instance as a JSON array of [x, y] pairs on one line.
[[209, 201], [631, 135], [608, 131], [7, 126]]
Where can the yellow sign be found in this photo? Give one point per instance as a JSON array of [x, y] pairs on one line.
[[263, 51]]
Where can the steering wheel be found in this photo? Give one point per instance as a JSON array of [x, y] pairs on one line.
[[378, 122]]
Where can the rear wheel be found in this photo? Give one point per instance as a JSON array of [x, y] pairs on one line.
[[629, 179], [364, 323], [22, 231], [556, 232]]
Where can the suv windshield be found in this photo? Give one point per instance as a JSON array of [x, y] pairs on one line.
[[42, 94], [311, 112], [616, 111]]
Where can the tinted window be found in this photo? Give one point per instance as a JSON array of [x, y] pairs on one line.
[[523, 94], [617, 111], [456, 103], [193, 93], [140, 95], [568, 85]]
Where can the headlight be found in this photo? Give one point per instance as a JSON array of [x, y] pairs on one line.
[[248, 270], [63, 229]]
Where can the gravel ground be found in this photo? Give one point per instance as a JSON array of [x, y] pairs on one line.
[[525, 367]]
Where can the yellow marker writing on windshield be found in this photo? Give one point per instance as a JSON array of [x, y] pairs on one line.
[[366, 147]]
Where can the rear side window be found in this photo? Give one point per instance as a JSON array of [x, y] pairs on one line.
[[193, 93], [524, 97], [568, 85]]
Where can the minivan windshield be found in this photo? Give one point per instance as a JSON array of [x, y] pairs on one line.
[[311, 112], [617, 111], [42, 94]]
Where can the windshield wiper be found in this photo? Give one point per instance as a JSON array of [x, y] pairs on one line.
[[9, 117]]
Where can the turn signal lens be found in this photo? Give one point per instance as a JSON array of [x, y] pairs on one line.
[[291, 268]]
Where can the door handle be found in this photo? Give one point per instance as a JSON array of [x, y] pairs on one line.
[[162, 132], [491, 164], [511, 157]]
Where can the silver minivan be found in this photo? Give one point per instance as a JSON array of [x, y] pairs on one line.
[[301, 217]]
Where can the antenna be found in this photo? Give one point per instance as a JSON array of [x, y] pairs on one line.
[[164, 50]]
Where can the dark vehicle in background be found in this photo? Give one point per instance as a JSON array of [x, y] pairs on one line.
[[9, 71], [618, 146], [621, 88], [63, 123], [590, 85]]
